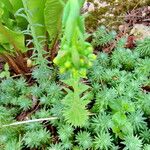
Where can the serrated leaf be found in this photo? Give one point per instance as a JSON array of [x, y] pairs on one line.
[[76, 114], [83, 87]]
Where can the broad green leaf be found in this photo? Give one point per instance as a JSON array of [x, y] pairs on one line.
[[81, 25], [6, 15], [7, 4], [16, 39], [17, 4], [1, 12], [81, 2], [2, 49], [35, 10], [72, 9], [53, 16], [66, 13]]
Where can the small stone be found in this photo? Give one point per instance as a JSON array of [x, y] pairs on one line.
[[29, 63], [121, 28], [143, 14]]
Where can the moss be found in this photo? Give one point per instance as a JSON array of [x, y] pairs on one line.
[[112, 14]]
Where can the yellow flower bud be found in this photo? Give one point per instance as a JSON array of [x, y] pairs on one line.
[[90, 49], [89, 64], [62, 70], [55, 61], [83, 73], [92, 56], [81, 61], [67, 64]]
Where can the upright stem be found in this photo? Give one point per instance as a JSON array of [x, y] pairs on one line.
[[76, 88]]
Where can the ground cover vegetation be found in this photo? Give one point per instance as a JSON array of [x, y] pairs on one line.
[[111, 13], [60, 91]]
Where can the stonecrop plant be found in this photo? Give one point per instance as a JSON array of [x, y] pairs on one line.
[[82, 101]]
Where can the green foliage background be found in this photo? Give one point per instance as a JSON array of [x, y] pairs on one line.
[[117, 9], [119, 108], [105, 106]]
